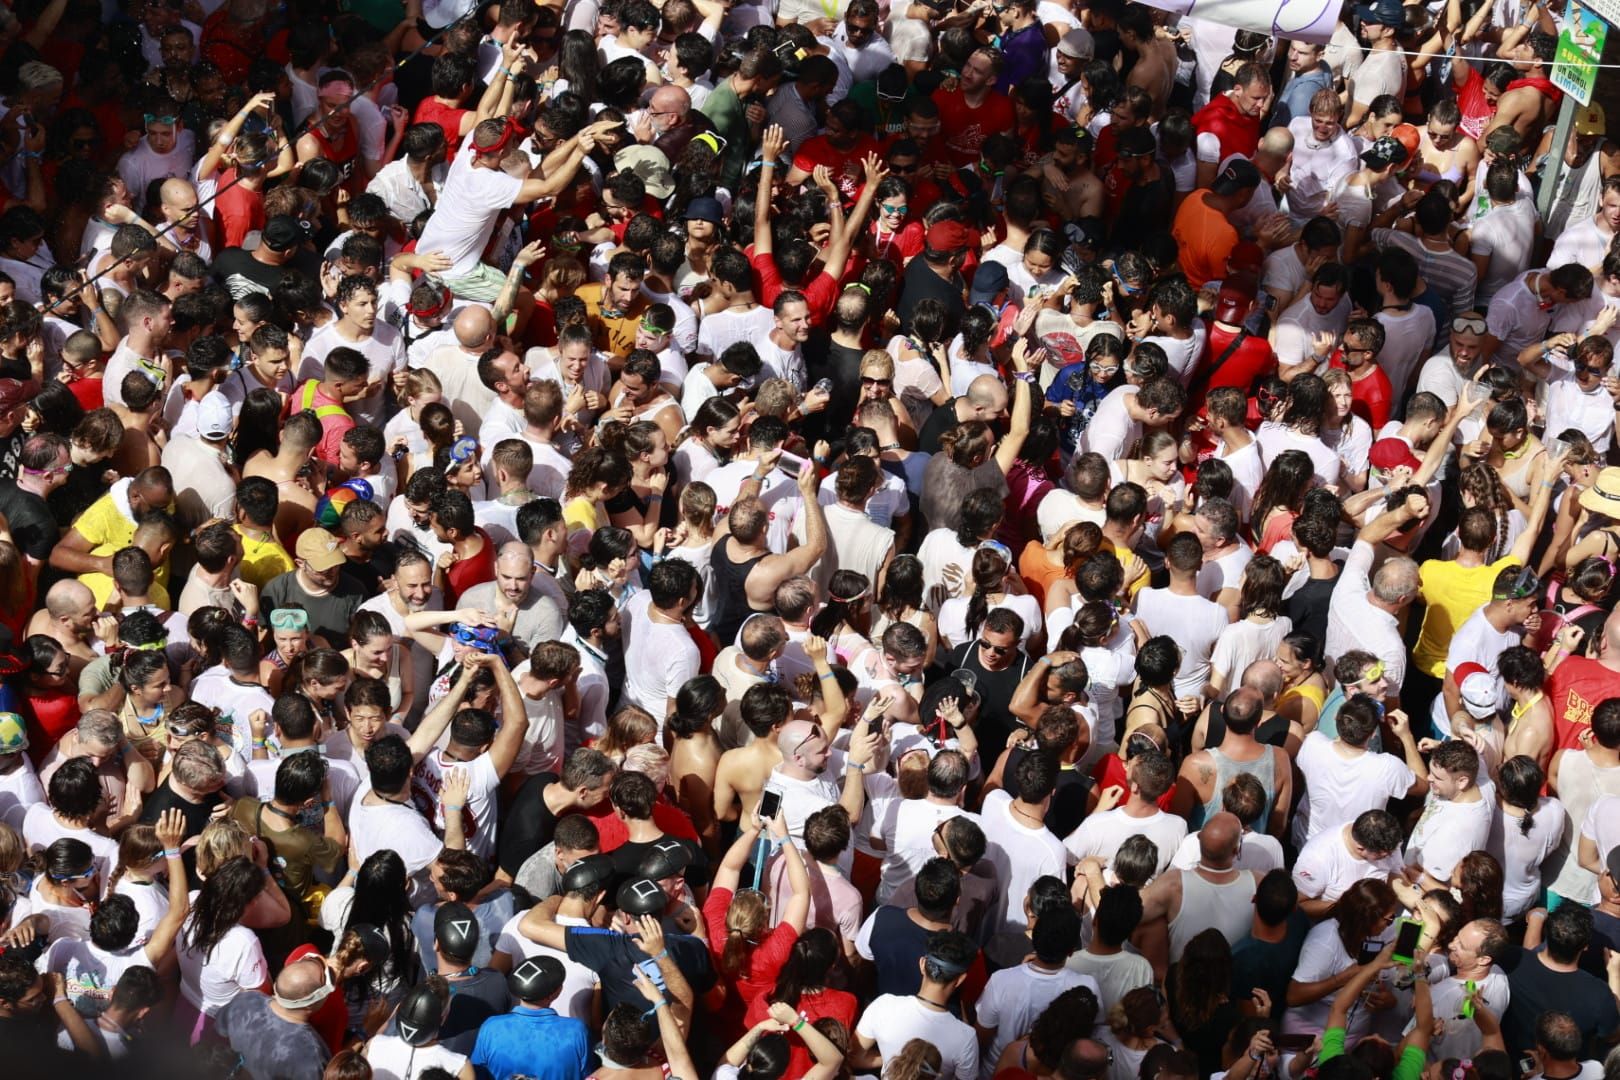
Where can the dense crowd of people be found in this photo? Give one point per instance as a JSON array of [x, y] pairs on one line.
[[944, 540]]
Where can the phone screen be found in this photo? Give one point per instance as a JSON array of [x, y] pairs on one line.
[[1292, 1044], [770, 802], [1406, 940]]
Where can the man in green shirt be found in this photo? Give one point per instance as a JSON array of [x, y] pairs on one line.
[[725, 108]]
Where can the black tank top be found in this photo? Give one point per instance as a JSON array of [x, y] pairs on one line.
[[729, 596]]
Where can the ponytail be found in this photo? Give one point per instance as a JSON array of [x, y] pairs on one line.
[[137, 847]]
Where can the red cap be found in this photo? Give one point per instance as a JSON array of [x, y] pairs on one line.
[[949, 236], [1392, 453], [1247, 256]]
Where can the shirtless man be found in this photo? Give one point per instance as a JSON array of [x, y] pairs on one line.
[[1155, 67], [295, 511], [1444, 152], [1528, 106], [141, 416], [69, 619], [1067, 177], [742, 773]]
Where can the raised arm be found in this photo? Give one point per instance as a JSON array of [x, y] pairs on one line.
[[731, 866], [452, 801], [798, 908], [438, 718], [171, 832], [1018, 425], [503, 752], [771, 145]]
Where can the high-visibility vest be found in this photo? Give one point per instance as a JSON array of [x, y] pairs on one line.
[[307, 402]]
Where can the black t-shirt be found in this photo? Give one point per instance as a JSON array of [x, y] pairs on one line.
[[527, 825], [995, 689], [329, 615], [1308, 608], [1145, 211], [366, 577], [919, 283], [1068, 800], [472, 1001], [613, 956], [897, 944], [824, 358], [197, 815], [1535, 989], [627, 861], [941, 420], [241, 273], [33, 526]]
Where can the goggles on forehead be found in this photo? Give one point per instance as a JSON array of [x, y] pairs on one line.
[[483, 638], [1468, 324], [1371, 675], [464, 449], [315, 996], [289, 619], [1524, 585], [156, 118]]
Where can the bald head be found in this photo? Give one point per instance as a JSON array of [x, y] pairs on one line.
[[300, 979], [1266, 677], [988, 394], [1242, 710], [793, 735], [474, 327], [1278, 141], [515, 557], [179, 197], [671, 103], [1218, 840], [1084, 1059], [68, 598]]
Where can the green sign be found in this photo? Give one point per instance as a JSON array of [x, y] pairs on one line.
[[1580, 44]]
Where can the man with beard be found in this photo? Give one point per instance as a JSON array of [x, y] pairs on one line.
[[358, 328], [974, 110], [521, 610], [594, 629], [317, 585], [547, 679], [1145, 191], [33, 1006], [409, 590], [841, 147]]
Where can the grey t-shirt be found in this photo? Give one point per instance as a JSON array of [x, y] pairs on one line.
[[539, 617], [269, 1045], [329, 615]]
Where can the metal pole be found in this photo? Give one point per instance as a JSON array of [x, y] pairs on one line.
[[1553, 166]]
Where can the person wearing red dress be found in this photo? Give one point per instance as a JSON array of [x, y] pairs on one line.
[[736, 920]]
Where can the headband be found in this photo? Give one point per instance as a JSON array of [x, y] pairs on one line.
[[438, 306], [314, 997], [508, 133]]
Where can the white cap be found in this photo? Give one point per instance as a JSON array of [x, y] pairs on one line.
[[441, 13], [1479, 695], [214, 416]]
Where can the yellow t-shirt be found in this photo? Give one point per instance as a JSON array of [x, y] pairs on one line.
[[583, 518], [262, 560], [109, 532], [1125, 555], [1451, 593]]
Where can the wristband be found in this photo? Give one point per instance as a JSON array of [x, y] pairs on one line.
[[826, 675], [800, 1024], [661, 954], [856, 765], [258, 744], [449, 806], [61, 999], [171, 853]]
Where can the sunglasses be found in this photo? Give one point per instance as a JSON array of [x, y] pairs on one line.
[[1599, 371], [867, 380], [999, 650], [896, 210], [1522, 587]]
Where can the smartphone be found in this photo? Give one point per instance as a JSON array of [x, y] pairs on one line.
[[792, 464], [650, 969], [1407, 934], [1292, 1044], [770, 804]]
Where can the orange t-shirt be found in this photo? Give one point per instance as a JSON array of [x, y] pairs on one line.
[[1205, 239]]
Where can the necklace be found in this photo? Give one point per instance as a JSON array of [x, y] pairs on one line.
[[936, 1006]]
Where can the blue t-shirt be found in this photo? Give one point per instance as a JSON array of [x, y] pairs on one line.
[[1074, 383], [532, 1042]]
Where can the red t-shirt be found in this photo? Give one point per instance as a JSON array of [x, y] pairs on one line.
[[465, 573], [1371, 396], [838, 1004], [51, 715], [237, 211], [431, 110], [759, 972], [1248, 362], [965, 128], [1576, 688], [845, 165], [1476, 111], [820, 292], [1110, 772], [88, 392]]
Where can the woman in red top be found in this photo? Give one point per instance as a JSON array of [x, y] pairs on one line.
[[748, 953], [765, 1050], [802, 986], [356, 954]]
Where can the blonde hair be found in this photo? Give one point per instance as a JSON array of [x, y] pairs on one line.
[[564, 273], [745, 918], [697, 505], [877, 363], [12, 850], [221, 841], [651, 760], [419, 381], [917, 1060]]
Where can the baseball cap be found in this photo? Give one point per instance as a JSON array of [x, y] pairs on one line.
[[1078, 43], [1477, 689], [1233, 302], [1590, 121], [652, 165], [319, 549], [13, 733], [1392, 453], [1382, 13], [536, 979], [1409, 137], [988, 282], [1240, 173], [14, 393], [455, 930], [705, 208], [1135, 142], [666, 858], [283, 233], [641, 896], [1386, 150], [589, 874], [949, 236], [214, 416]]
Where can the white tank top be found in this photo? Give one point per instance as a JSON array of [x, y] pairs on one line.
[[1228, 908], [1580, 784]]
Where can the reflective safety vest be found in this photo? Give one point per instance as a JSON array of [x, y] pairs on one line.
[[306, 402]]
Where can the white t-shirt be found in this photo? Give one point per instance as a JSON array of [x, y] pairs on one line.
[[236, 965], [1508, 235], [893, 1020], [658, 658], [1102, 834], [469, 203], [19, 790], [723, 329], [908, 834], [1591, 412], [91, 973], [1020, 853], [1260, 852], [41, 829], [1060, 507], [1013, 999], [1408, 340], [392, 1058], [384, 351], [778, 492], [1322, 957], [1274, 438], [479, 815], [1382, 72], [1112, 431], [1448, 830], [1244, 642], [401, 829], [1325, 867], [1521, 854], [579, 982], [1339, 789], [953, 617], [1194, 621]]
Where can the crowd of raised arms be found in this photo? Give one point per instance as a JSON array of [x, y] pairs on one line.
[[805, 540]]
